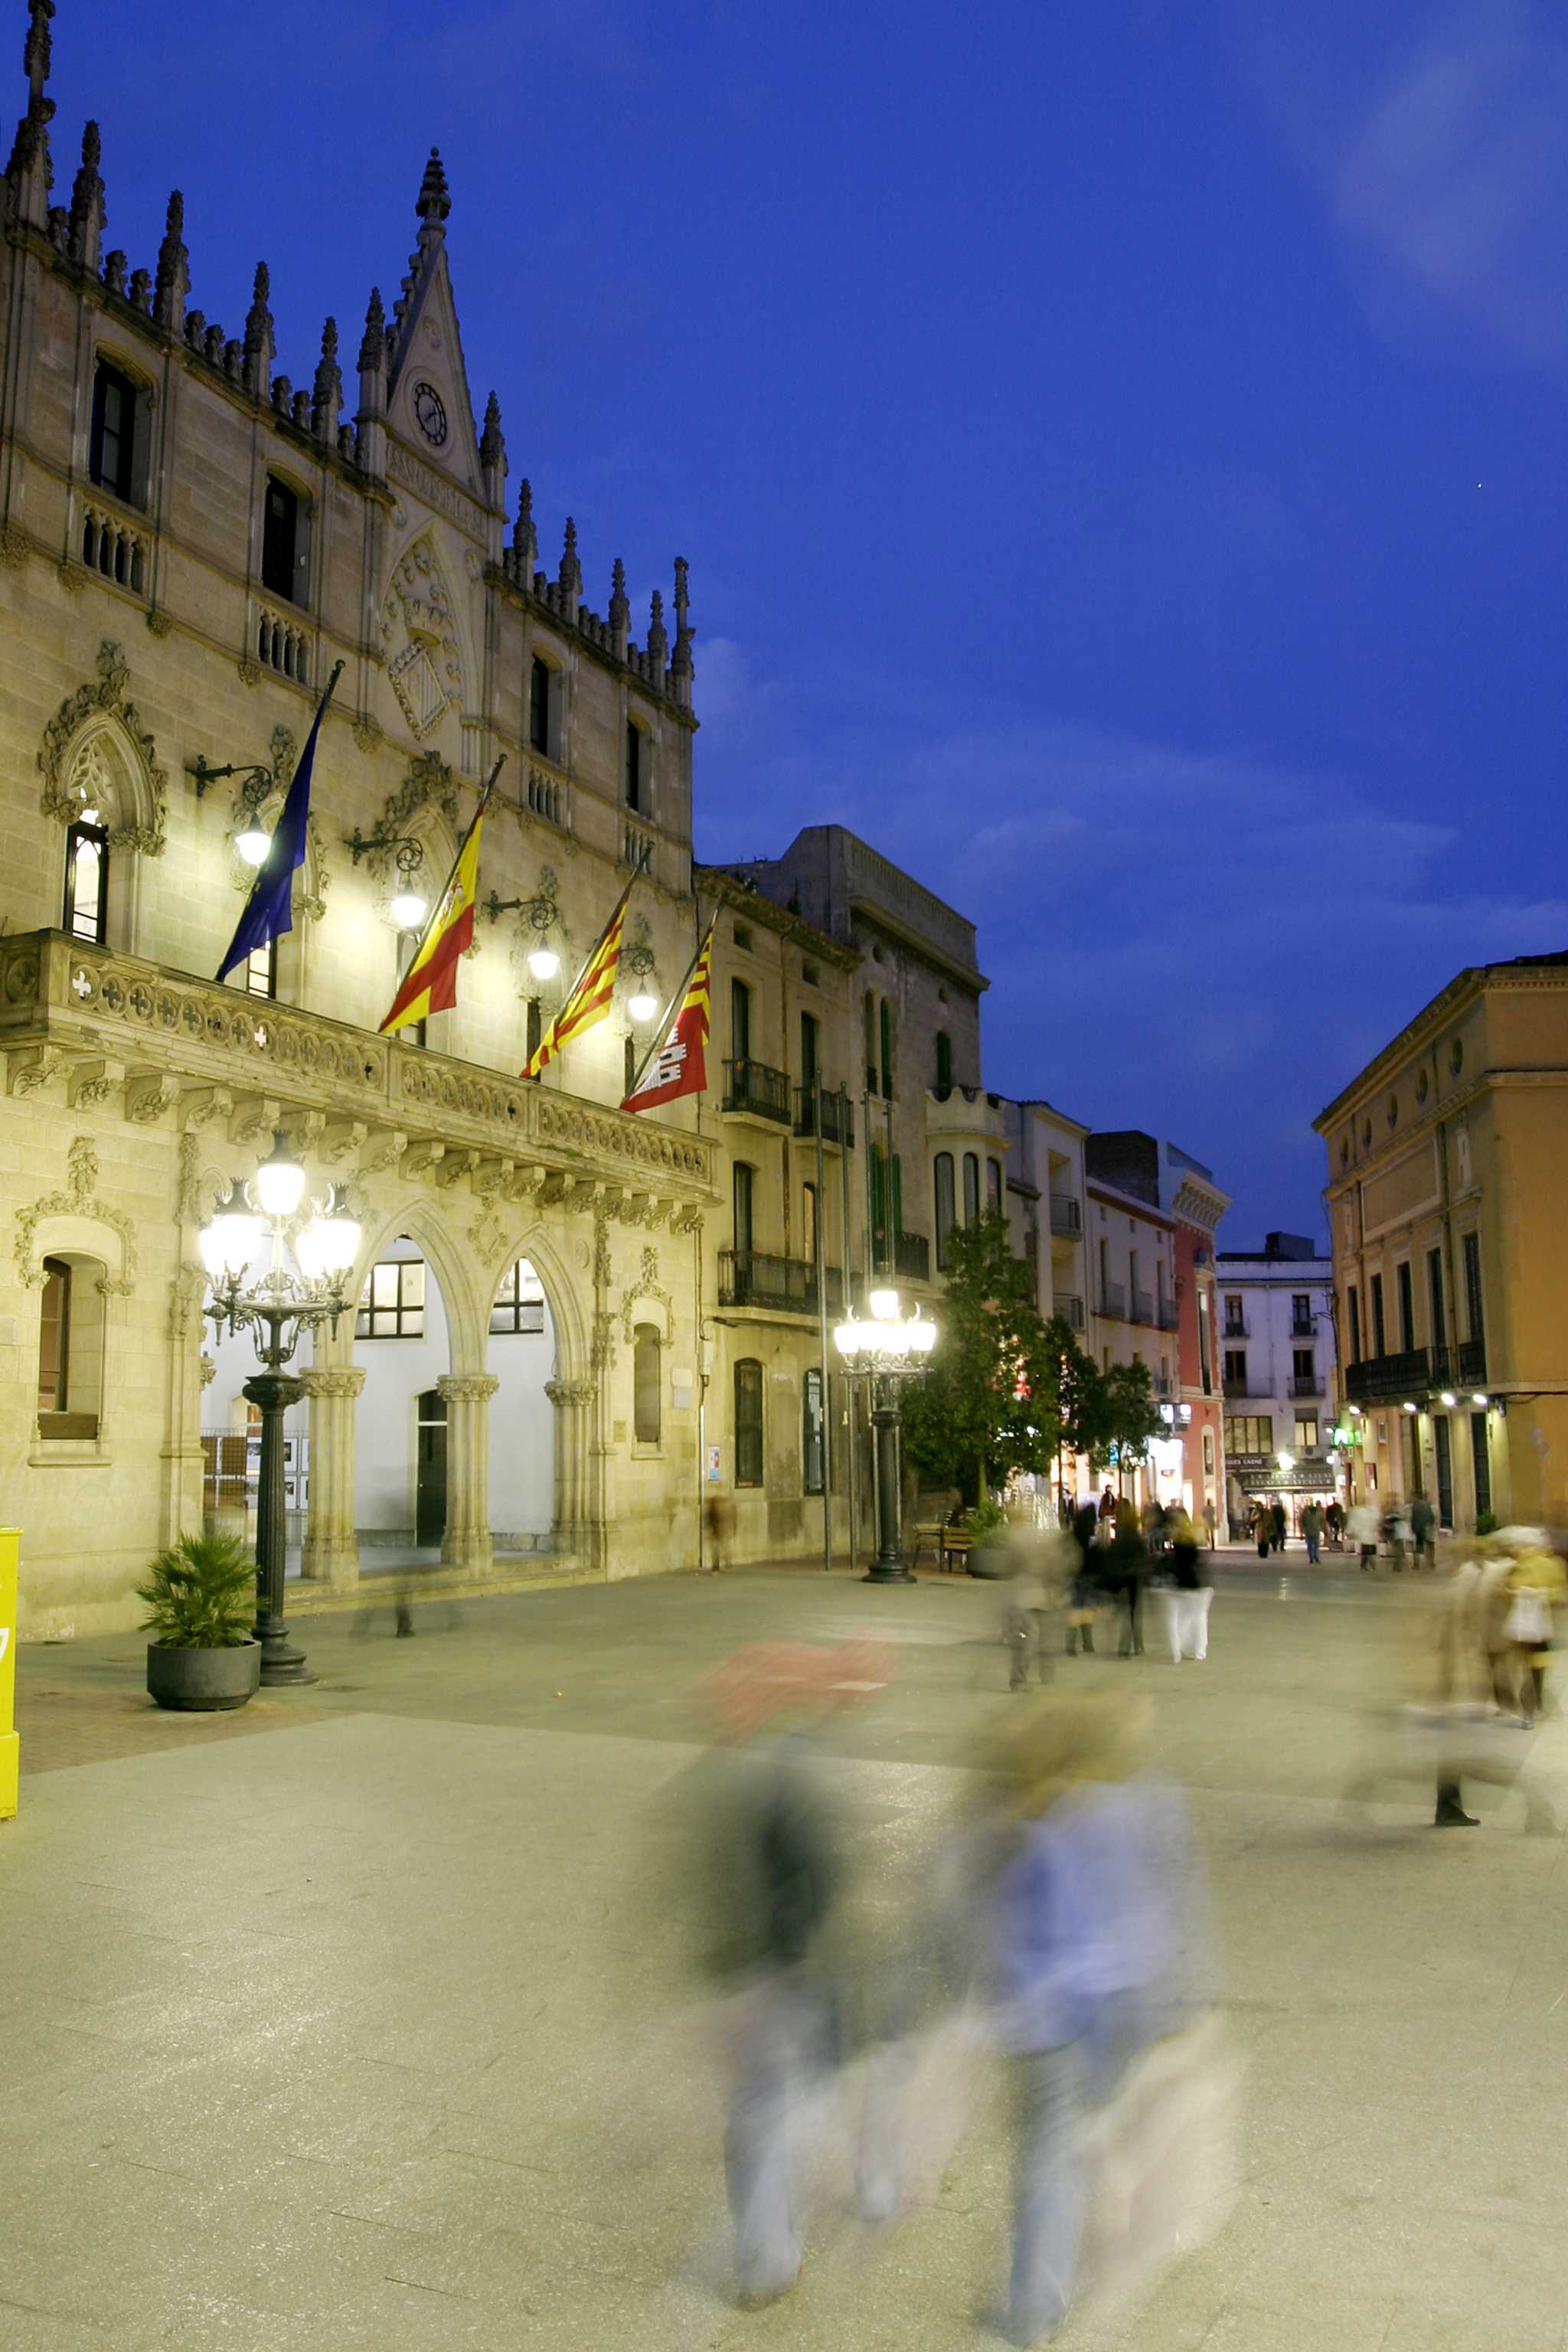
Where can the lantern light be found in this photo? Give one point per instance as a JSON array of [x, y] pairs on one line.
[[279, 1180], [253, 843]]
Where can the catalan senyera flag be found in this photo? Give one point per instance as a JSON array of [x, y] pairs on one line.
[[589, 999], [680, 1066], [430, 983]]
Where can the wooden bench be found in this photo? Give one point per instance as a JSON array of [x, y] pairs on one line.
[[944, 1543]]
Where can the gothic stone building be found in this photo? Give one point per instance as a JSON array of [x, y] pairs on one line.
[[189, 546]]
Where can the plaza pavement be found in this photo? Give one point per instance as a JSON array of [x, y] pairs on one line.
[[355, 2020]]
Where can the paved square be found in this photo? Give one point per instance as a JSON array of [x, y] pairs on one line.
[[367, 2032]]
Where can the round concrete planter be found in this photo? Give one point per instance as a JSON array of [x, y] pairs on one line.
[[204, 1679]]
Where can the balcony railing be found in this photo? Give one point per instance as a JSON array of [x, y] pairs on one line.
[[1067, 1215], [1416, 1371], [752, 1086], [911, 1256], [1307, 1384], [1304, 1328], [1167, 1318], [1235, 1327], [1113, 1300], [1069, 1306], [837, 1116], [752, 1279], [1143, 1307]]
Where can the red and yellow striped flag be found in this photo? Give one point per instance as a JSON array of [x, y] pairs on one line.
[[681, 1066], [430, 983], [589, 1001]]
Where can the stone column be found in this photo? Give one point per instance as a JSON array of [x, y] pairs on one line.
[[187, 1372], [467, 1542], [573, 1402], [332, 1547]]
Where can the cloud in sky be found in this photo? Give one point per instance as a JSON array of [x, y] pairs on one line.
[[1200, 941]]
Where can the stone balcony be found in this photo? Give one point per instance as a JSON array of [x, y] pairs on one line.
[[100, 1024]]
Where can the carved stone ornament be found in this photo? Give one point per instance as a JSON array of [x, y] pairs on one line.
[[199, 1188], [209, 1371], [487, 1236], [14, 545], [430, 784], [80, 1199], [343, 1381], [367, 735], [158, 622], [646, 1284], [109, 698], [249, 671], [419, 639], [571, 1392], [468, 1387]]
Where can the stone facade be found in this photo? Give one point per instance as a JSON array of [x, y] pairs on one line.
[[1276, 1342]]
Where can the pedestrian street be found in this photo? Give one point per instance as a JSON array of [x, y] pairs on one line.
[[366, 2017]]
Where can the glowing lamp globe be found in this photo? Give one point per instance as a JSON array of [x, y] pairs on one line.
[[228, 1243], [253, 844], [279, 1180], [407, 910], [543, 962], [642, 1006]]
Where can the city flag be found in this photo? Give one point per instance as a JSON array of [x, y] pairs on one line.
[[680, 1066], [269, 909], [430, 983], [589, 1000]]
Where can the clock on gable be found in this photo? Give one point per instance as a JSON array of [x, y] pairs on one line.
[[430, 414]]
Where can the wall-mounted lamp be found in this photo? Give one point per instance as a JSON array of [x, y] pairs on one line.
[[258, 785], [542, 915], [407, 907], [639, 959]]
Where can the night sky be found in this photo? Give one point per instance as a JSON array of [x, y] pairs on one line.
[[1119, 450]]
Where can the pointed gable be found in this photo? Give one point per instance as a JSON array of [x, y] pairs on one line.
[[430, 408]]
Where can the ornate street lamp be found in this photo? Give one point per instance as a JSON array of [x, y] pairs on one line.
[[888, 1350], [287, 1300]]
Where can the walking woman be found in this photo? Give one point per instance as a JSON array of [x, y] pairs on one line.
[[1187, 1600]]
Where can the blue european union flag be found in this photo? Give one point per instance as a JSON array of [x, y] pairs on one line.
[[269, 909]]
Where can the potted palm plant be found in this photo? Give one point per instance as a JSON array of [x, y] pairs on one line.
[[199, 1596]]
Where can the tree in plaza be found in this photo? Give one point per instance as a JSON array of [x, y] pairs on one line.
[[1083, 1406], [990, 1401], [1129, 1417]]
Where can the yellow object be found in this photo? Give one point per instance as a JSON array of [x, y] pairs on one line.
[[10, 1547]]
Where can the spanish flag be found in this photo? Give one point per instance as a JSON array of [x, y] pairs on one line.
[[680, 1066], [589, 1000], [430, 983]]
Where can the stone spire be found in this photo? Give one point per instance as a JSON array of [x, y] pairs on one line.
[[492, 451], [435, 201], [371, 418], [372, 342], [620, 611], [570, 581], [30, 171], [658, 643], [259, 344], [681, 659], [524, 545], [88, 212], [327, 394], [172, 282]]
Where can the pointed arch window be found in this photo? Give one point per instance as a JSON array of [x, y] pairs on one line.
[[283, 540], [86, 912]]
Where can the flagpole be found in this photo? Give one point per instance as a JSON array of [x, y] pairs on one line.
[[674, 1005], [261, 873], [576, 985]]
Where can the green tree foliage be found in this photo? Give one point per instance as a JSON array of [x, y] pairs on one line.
[[967, 1417], [1130, 1416]]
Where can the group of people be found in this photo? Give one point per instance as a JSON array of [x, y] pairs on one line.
[[1103, 1564], [1409, 1529], [1061, 1921]]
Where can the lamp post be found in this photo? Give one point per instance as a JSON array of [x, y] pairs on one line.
[[888, 1350], [287, 1300]]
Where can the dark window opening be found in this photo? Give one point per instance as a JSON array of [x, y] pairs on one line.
[[971, 1187], [1407, 1305], [943, 1061], [647, 1394], [636, 768], [1472, 1255], [945, 1214], [811, 1445], [742, 1181], [740, 1021], [112, 448], [86, 882], [748, 1422], [1482, 1460], [539, 707], [1379, 1336], [279, 542], [1435, 1301]]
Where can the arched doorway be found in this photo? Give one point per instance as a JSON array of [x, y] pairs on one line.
[[401, 1343], [521, 1358]]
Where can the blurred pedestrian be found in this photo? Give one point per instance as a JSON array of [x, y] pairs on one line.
[[1423, 1528], [1312, 1524], [1083, 1598], [1122, 1577], [1262, 1529], [1209, 1518], [719, 1525], [1278, 1523], [1186, 1599], [1535, 1585], [1037, 1566], [1362, 1526], [1090, 1939], [1334, 1519], [1396, 1533]]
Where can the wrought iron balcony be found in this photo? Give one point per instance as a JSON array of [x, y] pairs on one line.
[[837, 1116], [786, 1284], [911, 1256], [1167, 1318], [1142, 1307], [1417, 1373], [1236, 1326], [1067, 1215], [1113, 1301], [756, 1091], [1307, 1384], [1068, 1308]]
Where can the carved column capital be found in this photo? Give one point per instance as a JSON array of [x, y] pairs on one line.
[[564, 1392], [334, 1380], [468, 1387]]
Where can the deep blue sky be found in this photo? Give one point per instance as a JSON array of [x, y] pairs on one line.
[[1118, 448]]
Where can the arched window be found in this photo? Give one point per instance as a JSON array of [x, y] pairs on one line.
[[518, 1302], [639, 769], [971, 1187], [748, 1422], [943, 1063], [879, 1172], [87, 879], [994, 1184], [647, 1388], [740, 1021], [811, 1420], [70, 1347], [945, 1204]]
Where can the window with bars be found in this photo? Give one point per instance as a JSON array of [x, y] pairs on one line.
[[392, 1303], [748, 1422], [518, 1302], [87, 879]]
